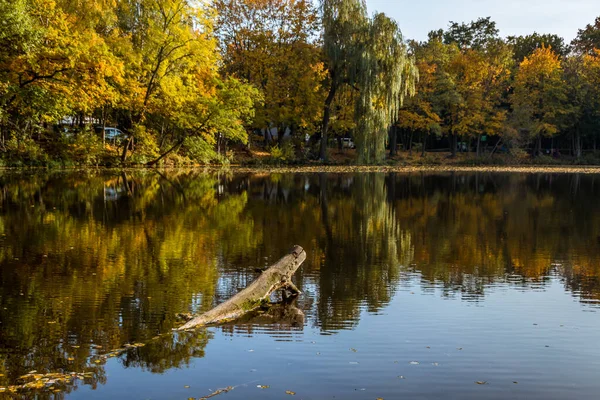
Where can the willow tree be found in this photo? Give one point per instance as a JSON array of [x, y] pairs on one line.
[[344, 22], [386, 75]]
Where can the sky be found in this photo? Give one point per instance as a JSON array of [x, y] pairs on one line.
[[513, 17]]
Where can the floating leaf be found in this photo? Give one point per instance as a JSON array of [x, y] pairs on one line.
[[401, 377], [414, 363], [353, 350], [187, 386], [435, 364], [263, 386], [481, 382], [290, 392]]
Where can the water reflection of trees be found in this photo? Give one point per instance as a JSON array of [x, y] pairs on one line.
[[111, 258]]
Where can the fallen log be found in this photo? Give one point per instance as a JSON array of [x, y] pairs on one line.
[[257, 294]]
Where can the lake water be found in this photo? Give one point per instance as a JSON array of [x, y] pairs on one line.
[[417, 286]]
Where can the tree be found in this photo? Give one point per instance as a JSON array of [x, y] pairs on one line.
[[524, 46], [482, 79], [344, 23], [54, 63], [474, 35], [582, 77], [271, 44], [588, 39], [386, 75], [539, 97], [417, 115], [164, 39], [214, 111]]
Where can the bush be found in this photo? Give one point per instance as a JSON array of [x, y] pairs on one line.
[[25, 151], [283, 154], [200, 150], [84, 148]]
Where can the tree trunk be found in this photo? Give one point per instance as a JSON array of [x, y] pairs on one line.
[[578, 147], [325, 124], [103, 127], [278, 276], [393, 140], [424, 144], [410, 139], [478, 145], [454, 144]]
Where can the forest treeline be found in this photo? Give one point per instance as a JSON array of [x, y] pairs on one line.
[[119, 82]]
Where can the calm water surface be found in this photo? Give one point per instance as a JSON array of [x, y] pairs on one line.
[[416, 285]]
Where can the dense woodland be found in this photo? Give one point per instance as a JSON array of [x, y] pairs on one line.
[[187, 82]]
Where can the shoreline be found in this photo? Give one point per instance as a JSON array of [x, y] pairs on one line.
[[334, 169]]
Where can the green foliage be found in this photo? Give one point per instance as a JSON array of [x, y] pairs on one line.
[[476, 35], [200, 150], [284, 153], [524, 46], [25, 151], [588, 39], [86, 148]]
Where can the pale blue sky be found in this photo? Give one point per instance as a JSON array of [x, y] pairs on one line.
[[513, 17]]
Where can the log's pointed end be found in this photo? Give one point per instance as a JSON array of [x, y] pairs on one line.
[[296, 251]]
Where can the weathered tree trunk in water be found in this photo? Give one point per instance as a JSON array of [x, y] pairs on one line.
[[278, 276]]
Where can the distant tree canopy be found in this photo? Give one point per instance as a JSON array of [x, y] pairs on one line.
[[183, 80]]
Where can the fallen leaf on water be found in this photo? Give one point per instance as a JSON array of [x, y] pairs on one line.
[[379, 398], [187, 386], [353, 349], [459, 348], [481, 382], [290, 392], [263, 386], [435, 364], [191, 398], [414, 363], [515, 382], [401, 377]]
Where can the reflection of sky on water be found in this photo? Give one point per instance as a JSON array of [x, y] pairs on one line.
[[541, 339]]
